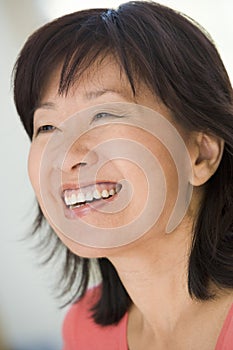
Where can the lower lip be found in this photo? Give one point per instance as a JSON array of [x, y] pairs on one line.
[[87, 208]]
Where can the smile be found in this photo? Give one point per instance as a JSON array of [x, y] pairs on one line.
[[75, 198]]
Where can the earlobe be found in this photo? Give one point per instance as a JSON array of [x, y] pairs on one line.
[[205, 155]]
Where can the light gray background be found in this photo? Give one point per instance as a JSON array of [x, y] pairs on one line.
[[29, 313]]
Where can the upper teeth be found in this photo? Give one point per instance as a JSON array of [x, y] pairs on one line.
[[87, 194]]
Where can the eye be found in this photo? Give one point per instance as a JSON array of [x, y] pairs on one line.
[[45, 129], [102, 115], [105, 115]]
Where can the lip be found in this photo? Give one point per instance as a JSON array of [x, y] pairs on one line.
[[75, 186]]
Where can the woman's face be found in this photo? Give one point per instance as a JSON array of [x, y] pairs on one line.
[[121, 179]]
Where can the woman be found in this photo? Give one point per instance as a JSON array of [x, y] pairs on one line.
[[167, 285]]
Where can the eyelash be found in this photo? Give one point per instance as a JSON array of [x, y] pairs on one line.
[[44, 129], [105, 115]]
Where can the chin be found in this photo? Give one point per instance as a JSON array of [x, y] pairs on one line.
[[82, 250]]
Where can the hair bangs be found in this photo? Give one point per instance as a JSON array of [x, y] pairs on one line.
[[77, 48]]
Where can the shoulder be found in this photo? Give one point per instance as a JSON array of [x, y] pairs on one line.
[[80, 332]]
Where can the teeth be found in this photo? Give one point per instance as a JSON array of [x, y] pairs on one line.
[[118, 187], [76, 197], [81, 197], [89, 197], [97, 194], [105, 194], [68, 200], [73, 199], [111, 192]]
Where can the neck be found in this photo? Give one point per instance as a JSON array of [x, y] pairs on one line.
[[154, 274]]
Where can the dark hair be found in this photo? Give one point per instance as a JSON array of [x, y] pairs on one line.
[[178, 61]]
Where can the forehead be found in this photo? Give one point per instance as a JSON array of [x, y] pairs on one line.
[[104, 75]]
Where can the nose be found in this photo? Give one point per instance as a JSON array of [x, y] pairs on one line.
[[81, 154]]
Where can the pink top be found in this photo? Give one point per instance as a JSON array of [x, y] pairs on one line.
[[80, 332], [225, 339]]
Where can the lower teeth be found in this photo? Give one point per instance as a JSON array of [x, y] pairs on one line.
[[77, 205]]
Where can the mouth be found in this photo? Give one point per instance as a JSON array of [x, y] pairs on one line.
[[89, 196]]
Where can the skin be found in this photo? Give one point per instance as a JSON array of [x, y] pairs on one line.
[[153, 269]]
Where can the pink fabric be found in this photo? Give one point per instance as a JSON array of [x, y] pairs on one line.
[[81, 333], [225, 339]]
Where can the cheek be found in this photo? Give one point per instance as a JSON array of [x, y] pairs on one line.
[[34, 158]]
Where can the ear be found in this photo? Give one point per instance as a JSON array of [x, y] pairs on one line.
[[206, 152]]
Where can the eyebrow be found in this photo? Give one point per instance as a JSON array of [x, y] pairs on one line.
[[94, 94], [90, 95], [45, 105]]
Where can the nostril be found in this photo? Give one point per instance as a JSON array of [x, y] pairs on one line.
[[78, 165]]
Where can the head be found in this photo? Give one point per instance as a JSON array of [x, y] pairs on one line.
[[158, 58]]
